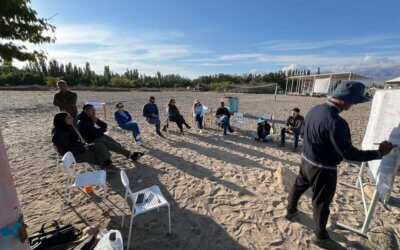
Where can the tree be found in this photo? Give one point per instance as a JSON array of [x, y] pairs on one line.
[[18, 22]]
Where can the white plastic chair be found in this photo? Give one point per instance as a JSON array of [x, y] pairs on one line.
[[80, 180], [153, 199], [238, 120]]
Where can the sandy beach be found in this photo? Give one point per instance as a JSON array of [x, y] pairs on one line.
[[226, 192]]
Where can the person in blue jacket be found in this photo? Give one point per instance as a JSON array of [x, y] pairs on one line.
[[124, 120], [327, 141], [150, 111]]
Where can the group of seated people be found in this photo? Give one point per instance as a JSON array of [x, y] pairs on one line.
[[84, 135], [88, 143]]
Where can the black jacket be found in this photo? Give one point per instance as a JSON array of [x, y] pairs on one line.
[[262, 131], [295, 122], [66, 140], [327, 139], [223, 111], [87, 129]]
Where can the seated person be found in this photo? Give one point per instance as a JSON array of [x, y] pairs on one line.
[[294, 124], [223, 115], [198, 114], [92, 130], [263, 130], [66, 139], [175, 116], [125, 121], [150, 111]]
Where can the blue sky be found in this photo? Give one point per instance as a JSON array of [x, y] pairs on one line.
[[194, 38]]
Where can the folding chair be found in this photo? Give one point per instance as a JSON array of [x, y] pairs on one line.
[[153, 199], [80, 180], [238, 120]]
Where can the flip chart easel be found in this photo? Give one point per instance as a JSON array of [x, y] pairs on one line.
[[99, 105], [383, 124]]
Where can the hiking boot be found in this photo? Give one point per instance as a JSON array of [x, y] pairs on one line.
[[135, 155], [291, 214], [231, 130]]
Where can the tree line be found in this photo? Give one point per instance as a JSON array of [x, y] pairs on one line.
[[48, 73]]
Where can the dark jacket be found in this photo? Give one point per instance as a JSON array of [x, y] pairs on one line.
[[66, 102], [327, 139], [150, 109], [67, 140], [295, 122], [263, 130], [122, 119], [223, 111], [173, 112], [87, 129]]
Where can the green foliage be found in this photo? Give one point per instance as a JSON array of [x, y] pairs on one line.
[[52, 81], [18, 22], [219, 86]]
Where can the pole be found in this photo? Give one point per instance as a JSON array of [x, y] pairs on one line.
[[287, 81], [13, 233], [276, 89]]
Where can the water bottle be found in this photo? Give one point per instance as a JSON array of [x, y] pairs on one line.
[[110, 241]]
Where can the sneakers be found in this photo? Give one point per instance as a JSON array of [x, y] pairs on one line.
[[231, 130], [139, 143], [164, 128], [291, 214], [326, 243], [135, 155]]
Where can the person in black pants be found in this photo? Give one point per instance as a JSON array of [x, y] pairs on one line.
[[327, 141], [175, 116]]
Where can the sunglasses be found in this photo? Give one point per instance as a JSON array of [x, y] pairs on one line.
[[120, 107]]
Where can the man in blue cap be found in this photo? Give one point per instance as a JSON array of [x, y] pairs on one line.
[[327, 141]]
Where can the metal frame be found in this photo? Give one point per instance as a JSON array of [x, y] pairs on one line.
[[368, 209]]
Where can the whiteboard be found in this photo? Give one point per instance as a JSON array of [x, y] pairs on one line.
[[321, 86], [384, 124]]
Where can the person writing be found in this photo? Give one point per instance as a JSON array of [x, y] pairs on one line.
[[223, 115], [327, 141], [124, 120], [92, 130], [66, 100], [150, 111], [293, 126]]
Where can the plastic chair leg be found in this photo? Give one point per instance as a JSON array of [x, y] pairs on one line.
[[123, 215], [130, 231], [169, 219]]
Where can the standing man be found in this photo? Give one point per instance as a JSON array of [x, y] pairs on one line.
[[293, 126], [66, 100], [327, 141], [223, 115], [150, 111]]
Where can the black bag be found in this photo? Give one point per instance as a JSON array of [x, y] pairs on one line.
[[55, 235]]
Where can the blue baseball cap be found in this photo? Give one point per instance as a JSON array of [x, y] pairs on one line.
[[351, 92]]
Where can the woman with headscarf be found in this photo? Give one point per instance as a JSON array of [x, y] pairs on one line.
[[198, 113], [263, 130], [66, 139], [175, 116]]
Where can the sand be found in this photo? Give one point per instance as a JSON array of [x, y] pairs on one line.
[[226, 192]]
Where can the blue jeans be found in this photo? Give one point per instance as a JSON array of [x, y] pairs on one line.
[[132, 127], [225, 123], [155, 121], [199, 121], [296, 133]]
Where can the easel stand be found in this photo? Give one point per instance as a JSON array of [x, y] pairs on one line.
[[368, 210]]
